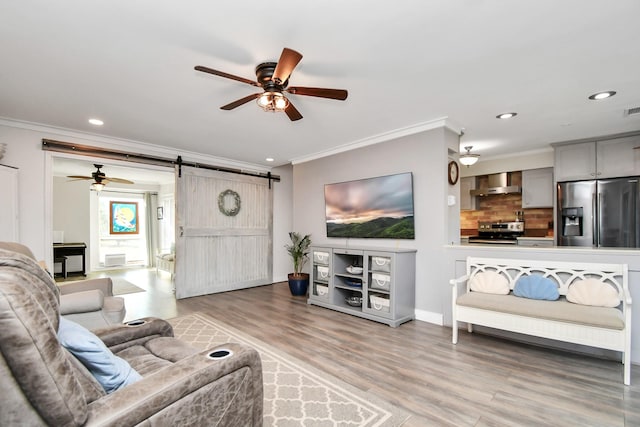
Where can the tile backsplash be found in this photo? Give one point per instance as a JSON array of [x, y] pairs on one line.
[[503, 208]]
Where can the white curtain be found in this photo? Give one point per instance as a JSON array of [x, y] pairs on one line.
[[151, 203]]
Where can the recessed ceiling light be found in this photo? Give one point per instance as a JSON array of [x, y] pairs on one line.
[[506, 115], [96, 122], [269, 159], [602, 95]]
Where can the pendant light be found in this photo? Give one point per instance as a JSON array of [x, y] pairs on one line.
[[467, 158]]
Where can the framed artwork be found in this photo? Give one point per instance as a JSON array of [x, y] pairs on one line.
[[159, 213], [123, 218]]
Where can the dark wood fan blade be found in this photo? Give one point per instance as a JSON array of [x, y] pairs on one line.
[[118, 180], [240, 102], [287, 62], [225, 75], [78, 177], [339, 94], [292, 112]]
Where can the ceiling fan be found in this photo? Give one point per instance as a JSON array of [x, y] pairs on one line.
[[99, 179], [273, 78]]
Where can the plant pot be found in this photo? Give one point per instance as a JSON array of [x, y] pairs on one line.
[[298, 283]]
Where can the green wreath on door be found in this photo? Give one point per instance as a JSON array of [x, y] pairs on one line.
[[222, 205]]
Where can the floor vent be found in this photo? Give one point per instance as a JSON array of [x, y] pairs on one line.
[[113, 260], [632, 111]]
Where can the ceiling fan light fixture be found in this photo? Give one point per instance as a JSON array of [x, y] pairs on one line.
[[280, 102], [273, 101], [97, 187], [467, 158], [264, 100]]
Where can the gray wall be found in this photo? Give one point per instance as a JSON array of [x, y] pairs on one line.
[[282, 222], [425, 155]]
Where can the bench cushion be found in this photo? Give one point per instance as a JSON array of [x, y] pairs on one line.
[[559, 310]]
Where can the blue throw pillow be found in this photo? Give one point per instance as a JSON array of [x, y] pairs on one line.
[[536, 287], [111, 371]]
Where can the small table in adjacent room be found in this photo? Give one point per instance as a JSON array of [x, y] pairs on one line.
[[65, 250]]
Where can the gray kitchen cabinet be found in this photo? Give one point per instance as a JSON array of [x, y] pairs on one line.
[[618, 157], [575, 161], [537, 188], [467, 201], [607, 158], [374, 283]]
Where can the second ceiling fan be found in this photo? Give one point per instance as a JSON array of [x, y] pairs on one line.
[[99, 179], [273, 78]]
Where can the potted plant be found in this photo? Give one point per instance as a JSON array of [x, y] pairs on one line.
[[299, 251]]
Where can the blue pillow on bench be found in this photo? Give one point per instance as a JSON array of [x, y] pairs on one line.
[[536, 286]]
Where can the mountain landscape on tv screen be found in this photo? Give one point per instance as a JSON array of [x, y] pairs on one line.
[[379, 228]]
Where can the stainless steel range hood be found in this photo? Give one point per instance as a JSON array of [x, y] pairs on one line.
[[499, 183]]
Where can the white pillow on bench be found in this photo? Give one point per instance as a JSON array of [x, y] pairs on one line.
[[593, 292], [490, 282]]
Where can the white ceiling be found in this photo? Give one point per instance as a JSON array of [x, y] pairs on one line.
[[404, 63], [140, 174]]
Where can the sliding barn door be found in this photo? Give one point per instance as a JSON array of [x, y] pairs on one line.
[[223, 232]]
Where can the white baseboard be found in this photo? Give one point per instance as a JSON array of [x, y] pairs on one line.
[[429, 317]]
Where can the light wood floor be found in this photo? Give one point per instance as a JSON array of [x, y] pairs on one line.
[[481, 381]]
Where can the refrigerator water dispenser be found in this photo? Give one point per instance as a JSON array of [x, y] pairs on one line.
[[572, 221]]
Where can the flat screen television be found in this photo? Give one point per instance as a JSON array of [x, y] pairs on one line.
[[378, 208]]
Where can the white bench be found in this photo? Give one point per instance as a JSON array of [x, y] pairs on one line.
[[601, 327], [166, 262]]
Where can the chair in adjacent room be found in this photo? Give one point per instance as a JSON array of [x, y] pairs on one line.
[[88, 302]]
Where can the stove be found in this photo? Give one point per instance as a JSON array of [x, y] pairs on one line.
[[498, 233]]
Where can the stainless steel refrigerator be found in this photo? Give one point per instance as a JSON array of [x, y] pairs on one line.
[[599, 213]]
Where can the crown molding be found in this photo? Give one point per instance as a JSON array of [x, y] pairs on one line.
[[443, 122], [131, 145]]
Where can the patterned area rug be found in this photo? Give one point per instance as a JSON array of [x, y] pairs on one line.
[[295, 394], [122, 287]]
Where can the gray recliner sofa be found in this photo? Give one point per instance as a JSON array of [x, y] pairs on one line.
[[44, 384]]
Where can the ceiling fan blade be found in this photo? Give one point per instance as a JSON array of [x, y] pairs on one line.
[[225, 75], [118, 180], [240, 102], [79, 177], [339, 94], [292, 112], [287, 62]]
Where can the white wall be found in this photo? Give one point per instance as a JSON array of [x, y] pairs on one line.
[[426, 156], [24, 152]]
